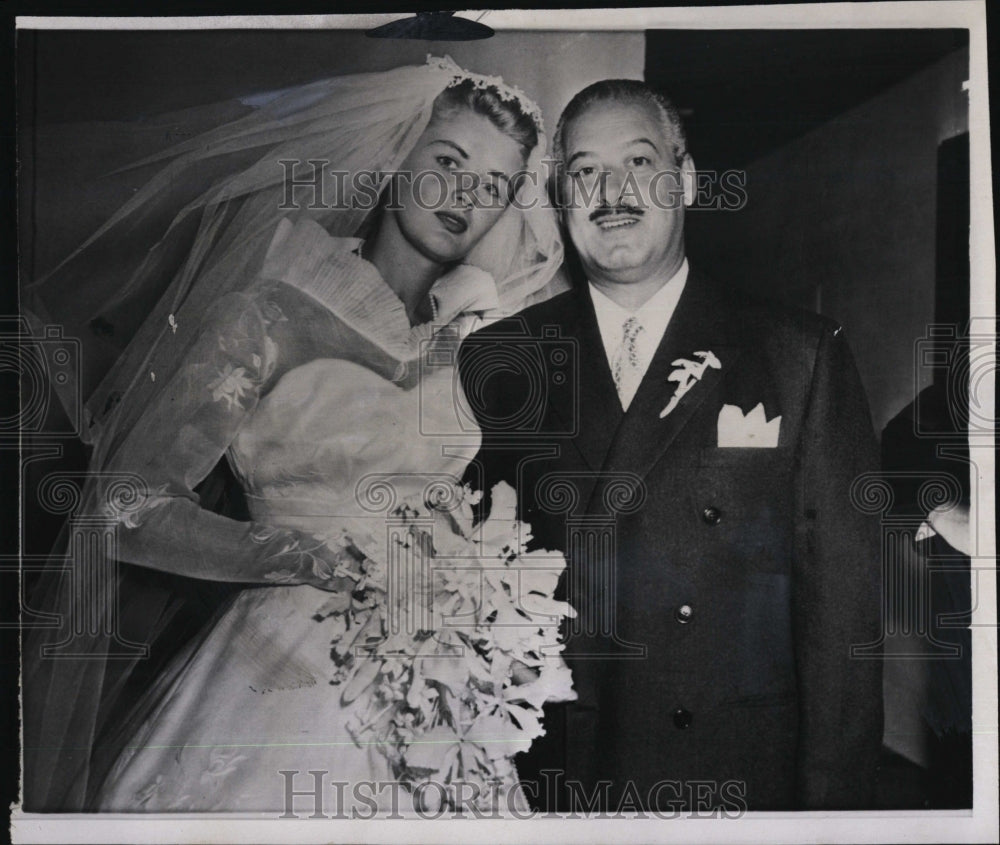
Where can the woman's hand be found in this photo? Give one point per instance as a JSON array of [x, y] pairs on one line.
[[333, 570], [334, 584], [311, 561]]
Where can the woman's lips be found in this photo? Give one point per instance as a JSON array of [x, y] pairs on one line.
[[452, 222]]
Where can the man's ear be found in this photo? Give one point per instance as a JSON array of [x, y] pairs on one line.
[[688, 179]]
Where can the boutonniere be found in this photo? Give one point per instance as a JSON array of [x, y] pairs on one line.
[[687, 374]]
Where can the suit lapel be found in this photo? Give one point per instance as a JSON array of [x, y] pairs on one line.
[[700, 324], [598, 409]]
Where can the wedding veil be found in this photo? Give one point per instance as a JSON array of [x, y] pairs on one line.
[[363, 123], [191, 235]]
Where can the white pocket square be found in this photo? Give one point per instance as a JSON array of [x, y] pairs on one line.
[[750, 431]]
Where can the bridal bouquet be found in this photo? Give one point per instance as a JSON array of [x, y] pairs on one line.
[[448, 647]]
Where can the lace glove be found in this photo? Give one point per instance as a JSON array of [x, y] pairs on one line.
[[177, 441]]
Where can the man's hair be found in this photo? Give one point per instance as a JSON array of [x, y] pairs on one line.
[[627, 91]]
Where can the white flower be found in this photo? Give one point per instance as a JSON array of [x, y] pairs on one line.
[[337, 625], [536, 572], [221, 762], [430, 751], [687, 374], [450, 670], [143, 795], [437, 693], [501, 736], [263, 534], [501, 533], [231, 385], [544, 606], [463, 514]]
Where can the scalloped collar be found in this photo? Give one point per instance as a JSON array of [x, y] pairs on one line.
[[331, 271]]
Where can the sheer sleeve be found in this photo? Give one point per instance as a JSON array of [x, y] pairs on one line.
[[178, 440]]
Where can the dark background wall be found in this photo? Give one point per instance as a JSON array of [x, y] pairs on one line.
[[843, 220], [837, 132]]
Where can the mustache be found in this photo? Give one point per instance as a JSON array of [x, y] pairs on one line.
[[612, 210]]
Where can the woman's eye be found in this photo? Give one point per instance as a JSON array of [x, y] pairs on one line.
[[586, 170], [447, 162], [492, 190], [640, 161]]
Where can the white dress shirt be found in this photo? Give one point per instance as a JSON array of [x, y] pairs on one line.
[[653, 315]]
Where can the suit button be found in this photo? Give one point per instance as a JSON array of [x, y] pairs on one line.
[[683, 614], [711, 516], [682, 719]]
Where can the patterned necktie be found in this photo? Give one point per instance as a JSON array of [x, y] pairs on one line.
[[625, 366]]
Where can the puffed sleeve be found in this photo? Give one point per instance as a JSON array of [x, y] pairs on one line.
[[180, 437]]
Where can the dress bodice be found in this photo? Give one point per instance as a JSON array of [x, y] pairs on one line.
[[341, 436], [334, 441]]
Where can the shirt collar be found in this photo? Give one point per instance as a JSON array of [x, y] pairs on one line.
[[654, 314]]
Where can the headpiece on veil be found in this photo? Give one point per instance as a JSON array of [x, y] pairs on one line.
[[197, 230], [509, 93]]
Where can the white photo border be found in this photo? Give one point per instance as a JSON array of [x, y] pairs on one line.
[[979, 825]]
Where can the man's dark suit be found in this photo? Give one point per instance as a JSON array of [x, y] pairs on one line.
[[745, 573]]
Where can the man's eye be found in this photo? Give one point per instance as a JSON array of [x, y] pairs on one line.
[[640, 161], [586, 170]]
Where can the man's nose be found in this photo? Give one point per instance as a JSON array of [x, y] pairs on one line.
[[612, 182]]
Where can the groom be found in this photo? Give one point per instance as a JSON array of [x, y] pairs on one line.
[[693, 452]]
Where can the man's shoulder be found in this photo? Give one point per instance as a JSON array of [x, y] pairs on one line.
[[786, 320], [532, 320], [778, 325]]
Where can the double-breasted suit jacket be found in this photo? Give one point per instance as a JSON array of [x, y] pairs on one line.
[[719, 589]]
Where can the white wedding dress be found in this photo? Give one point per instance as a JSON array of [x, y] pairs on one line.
[[251, 697]]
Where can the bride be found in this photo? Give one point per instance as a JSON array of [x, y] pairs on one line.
[[312, 345]]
